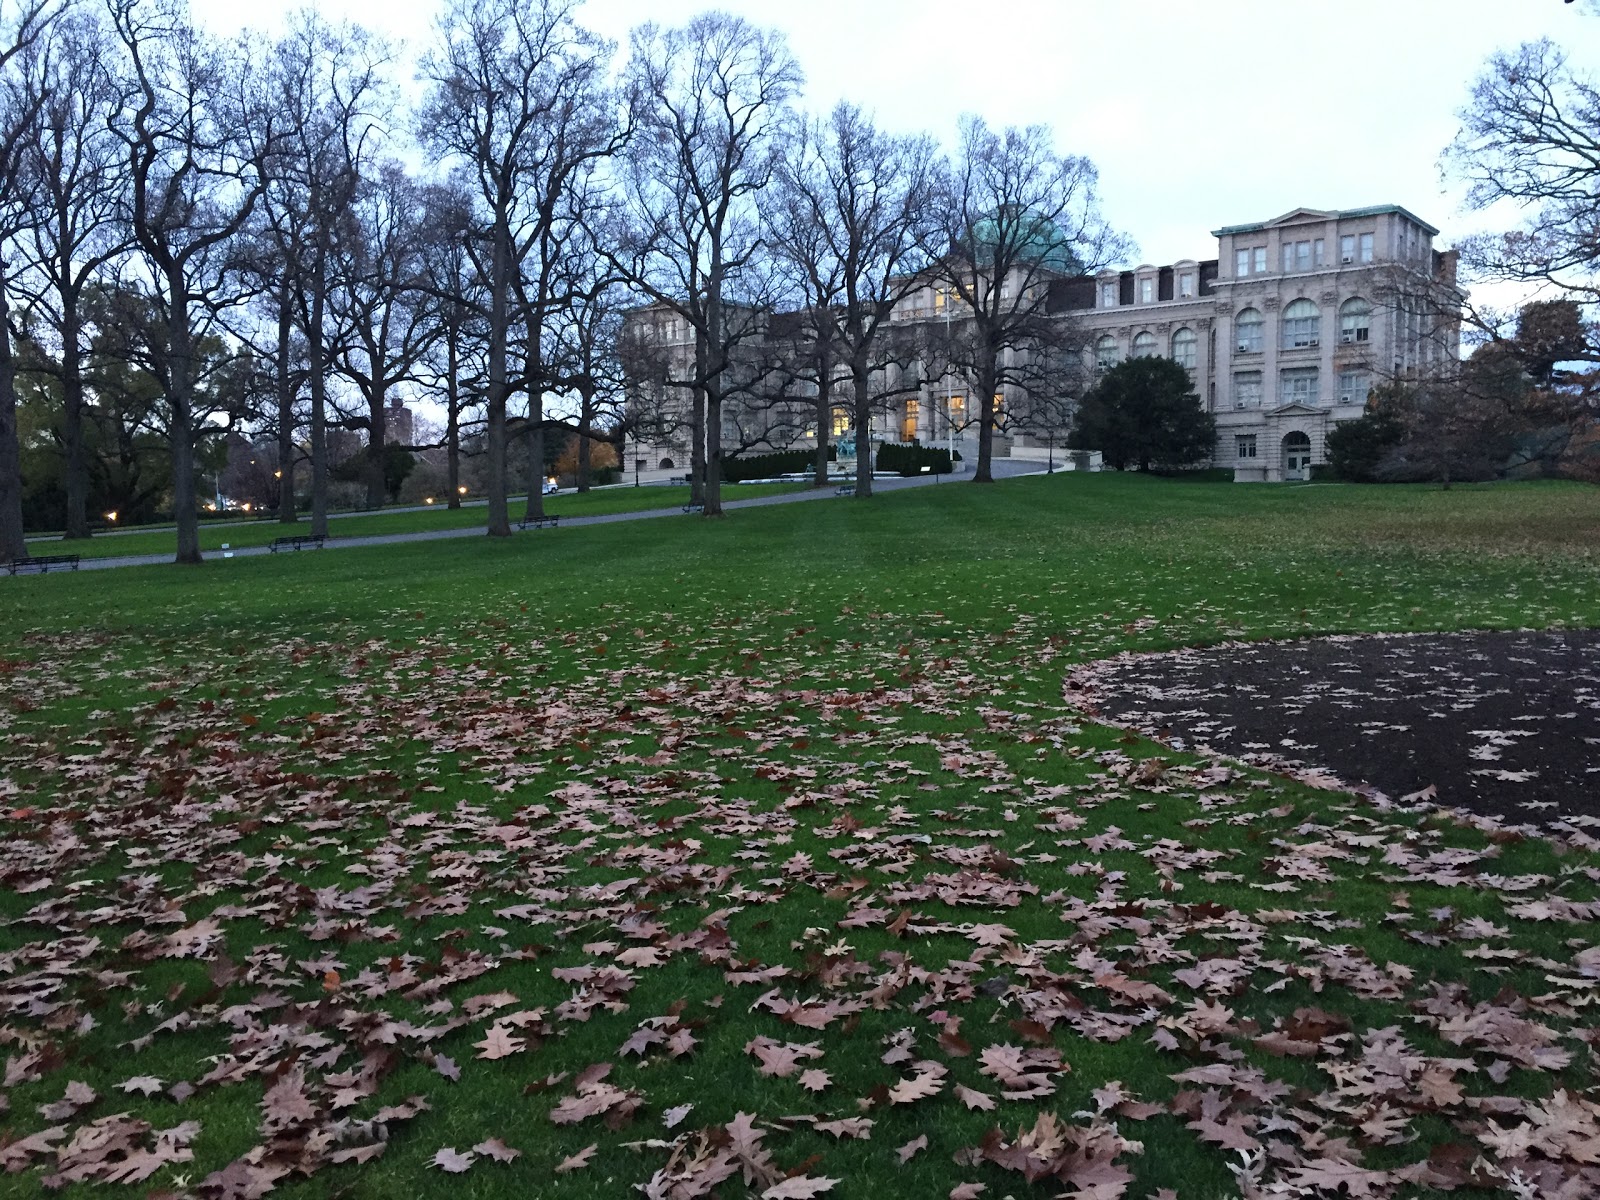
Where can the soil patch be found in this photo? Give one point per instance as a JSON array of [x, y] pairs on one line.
[[1506, 724]]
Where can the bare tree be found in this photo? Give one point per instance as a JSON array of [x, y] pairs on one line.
[[80, 178], [518, 98], [1530, 135], [1015, 215], [711, 103], [327, 87], [852, 225], [456, 297], [381, 307], [20, 29], [198, 139]]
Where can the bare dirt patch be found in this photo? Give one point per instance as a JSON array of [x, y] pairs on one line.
[[1499, 723]]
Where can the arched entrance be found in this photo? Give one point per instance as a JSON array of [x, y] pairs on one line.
[[1296, 457]]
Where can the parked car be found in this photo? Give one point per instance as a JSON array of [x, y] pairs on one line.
[[550, 487]]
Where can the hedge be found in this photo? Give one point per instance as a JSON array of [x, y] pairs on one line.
[[913, 459]]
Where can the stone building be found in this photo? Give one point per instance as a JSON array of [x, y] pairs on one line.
[[1285, 332]]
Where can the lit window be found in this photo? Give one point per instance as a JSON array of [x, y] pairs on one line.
[[1183, 348], [1105, 352], [1347, 248], [1302, 325], [958, 410], [908, 427], [1144, 345], [1108, 295], [1247, 332], [1353, 387], [841, 422], [1241, 266], [1147, 290], [1298, 386], [1366, 247], [1261, 260], [1247, 389], [1244, 445], [1186, 285], [1355, 321]]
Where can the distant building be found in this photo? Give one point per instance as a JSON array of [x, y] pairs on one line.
[[399, 423], [1285, 332]]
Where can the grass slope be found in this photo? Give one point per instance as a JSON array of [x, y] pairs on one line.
[[294, 842]]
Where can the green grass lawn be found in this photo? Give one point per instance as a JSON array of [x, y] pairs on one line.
[[781, 817], [260, 533]]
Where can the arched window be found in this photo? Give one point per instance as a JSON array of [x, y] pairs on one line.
[[1302, 325], [666, 464], [1355, 320], [1183, 348], [1144, 345], [1105, 353], [1247, 332]]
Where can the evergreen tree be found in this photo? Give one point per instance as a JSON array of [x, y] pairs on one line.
[[1144, 412]]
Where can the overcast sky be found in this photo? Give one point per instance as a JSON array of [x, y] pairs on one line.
[[1198, 113]]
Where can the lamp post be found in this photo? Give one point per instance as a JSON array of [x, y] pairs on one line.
[[949, 392]]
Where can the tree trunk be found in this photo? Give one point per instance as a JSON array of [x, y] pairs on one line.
[[584, 456], [697, 447], [319, 403], [534, 369], [13, 544], [285, 383], [985, 381], [452, 427], [180, 397], [377, 436], [499, 518], [77, 467], [819, 465], [863, 421]]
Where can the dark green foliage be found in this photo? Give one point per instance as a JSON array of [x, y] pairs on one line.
[[912, 459], [398, 462], [1355, 448], [769, 466], [1144, 413]]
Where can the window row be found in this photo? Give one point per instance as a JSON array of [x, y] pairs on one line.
[[1184, 290], [1301, 385], [1183, 349], [1307, 255], [1302, 326]]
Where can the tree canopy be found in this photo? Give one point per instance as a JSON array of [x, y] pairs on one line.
[[1144, 413]]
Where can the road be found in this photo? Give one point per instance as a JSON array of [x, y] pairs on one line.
[[1002, 469]]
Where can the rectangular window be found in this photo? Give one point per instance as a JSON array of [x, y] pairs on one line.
[[908, 427], [1366, 247], [1247, 337], [1108, 295], [1147, 290], [958, 410], [1347, 248], [841, 422], [1241, 265], [1247, 389], [1352, 387], [1302, 256], [1317, 251], [1298, 386], [1185, 286], [1244, 445], [1288, 257], [1261, 260]]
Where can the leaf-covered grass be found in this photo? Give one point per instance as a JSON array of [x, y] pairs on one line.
[[686, 796], [259, 533]]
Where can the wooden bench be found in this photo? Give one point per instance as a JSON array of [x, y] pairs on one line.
[[41, 563], [694, 506], [545, 522], [846, 489], [299, 542]]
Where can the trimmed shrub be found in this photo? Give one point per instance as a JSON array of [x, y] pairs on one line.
[[766, 466], [910, 459]]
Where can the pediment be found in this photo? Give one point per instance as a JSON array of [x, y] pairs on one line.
[[1298, 215], [1298, 410]]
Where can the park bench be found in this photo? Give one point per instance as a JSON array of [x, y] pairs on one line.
[[545, 522], [298, 542], [846, 489], [694, 506], [41, 563]]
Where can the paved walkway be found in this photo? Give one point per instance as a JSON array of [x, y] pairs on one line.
[[1002, 469]]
